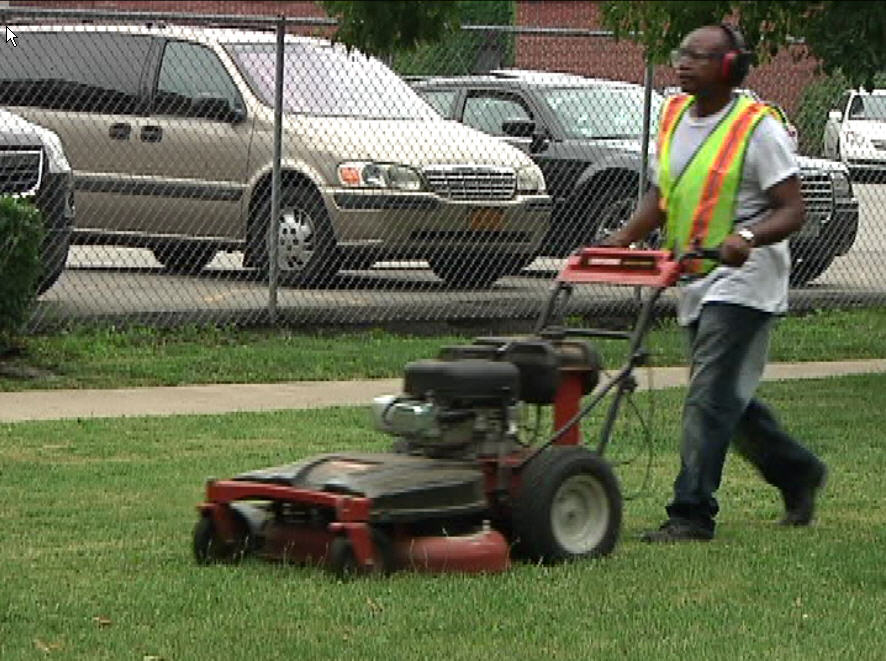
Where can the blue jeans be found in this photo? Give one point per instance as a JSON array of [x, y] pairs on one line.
[[729, 346]]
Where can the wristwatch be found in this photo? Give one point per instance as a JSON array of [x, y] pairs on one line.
[[747, 235]]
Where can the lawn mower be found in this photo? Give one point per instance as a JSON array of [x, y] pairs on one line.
[[460, 490]]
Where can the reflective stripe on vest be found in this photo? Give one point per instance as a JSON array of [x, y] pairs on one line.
[[670, 117], [700, 204]]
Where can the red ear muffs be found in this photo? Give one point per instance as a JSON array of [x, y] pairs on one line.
[[728, 65]]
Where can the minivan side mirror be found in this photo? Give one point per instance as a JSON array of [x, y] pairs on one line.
[[216, 108], [836, 115], [518, 128]]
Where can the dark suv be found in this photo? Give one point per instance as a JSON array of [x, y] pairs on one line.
[[584, 134]]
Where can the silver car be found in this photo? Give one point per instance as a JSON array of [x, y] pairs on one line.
[[170, 134]]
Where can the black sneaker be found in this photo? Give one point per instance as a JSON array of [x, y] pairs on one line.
[[799, 504], [679, 530]]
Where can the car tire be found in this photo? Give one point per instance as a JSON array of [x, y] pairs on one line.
[[307, 253], [54, 255], [610, 216], [519, 263], [183, 257], [806, 269]]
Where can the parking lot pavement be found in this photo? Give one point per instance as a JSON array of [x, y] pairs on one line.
[[106, 282]]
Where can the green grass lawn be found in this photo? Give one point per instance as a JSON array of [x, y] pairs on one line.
[[97, 518], [108, 358]]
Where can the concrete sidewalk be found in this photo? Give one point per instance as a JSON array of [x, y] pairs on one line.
[[224, 398]]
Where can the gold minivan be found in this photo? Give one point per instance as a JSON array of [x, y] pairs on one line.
[[170, 130]]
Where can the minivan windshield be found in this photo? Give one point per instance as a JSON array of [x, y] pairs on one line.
[[601, 112], [325, 80]]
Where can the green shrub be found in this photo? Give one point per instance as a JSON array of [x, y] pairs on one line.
[[21, 231]]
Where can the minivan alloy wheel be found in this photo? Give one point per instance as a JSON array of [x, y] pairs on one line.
[[295, 247], [306, 249]]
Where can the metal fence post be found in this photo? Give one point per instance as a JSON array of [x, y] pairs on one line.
[[274, 222], [647, 123], [644, 143]]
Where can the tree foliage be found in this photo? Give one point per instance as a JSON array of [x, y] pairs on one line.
[[385, 27], [848, 35], [465, 52]]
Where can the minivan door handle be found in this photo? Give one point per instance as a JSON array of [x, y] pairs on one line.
[[119, 131], [151, 134]]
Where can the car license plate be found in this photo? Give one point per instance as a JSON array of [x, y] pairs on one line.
[[487, 219]]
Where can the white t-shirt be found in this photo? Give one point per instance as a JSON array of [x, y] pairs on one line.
[[762, 282]]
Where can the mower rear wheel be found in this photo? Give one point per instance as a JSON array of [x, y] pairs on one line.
[[343, 560], [569, 506], [210, 548]]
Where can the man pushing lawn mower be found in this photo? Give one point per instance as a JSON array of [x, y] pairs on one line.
[[466, 482], [726, 176]]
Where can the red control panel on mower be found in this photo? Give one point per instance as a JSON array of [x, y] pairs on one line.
[[622, 266]]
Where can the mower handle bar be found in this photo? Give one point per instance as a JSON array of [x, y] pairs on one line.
[[559, 332], [700, 253]]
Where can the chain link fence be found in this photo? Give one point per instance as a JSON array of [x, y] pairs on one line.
[[206, 169]]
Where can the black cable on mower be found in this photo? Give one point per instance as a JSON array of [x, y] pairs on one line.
[[647, 435]]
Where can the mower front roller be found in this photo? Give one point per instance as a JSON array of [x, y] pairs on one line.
[[221, 536]]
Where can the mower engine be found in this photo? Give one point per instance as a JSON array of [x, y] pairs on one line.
[[466, 404], [453, 409]]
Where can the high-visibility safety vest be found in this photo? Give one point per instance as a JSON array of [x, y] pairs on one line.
[[700, 202]]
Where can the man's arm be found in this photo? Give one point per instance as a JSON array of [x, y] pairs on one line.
[[787, 216], [644, 220]]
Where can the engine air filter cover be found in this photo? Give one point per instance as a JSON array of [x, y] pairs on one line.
[[472, 381]]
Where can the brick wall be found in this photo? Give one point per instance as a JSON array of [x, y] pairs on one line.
[[261, 7], [231, 7]]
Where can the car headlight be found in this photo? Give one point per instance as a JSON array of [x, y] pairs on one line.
[[530, 180], [842, 187], [366, 174]]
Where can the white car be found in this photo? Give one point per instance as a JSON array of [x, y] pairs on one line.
[[33, 166], [855, 132]]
